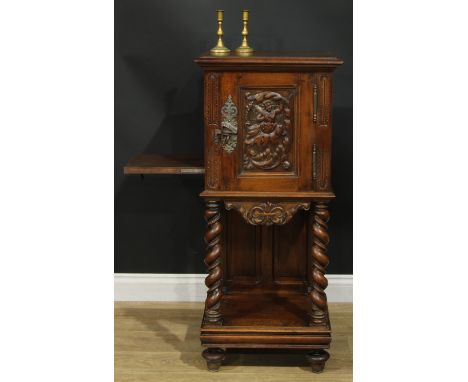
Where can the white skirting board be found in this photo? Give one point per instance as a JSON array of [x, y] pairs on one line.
[[191, 287]]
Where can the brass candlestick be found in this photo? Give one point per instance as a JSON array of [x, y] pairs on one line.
[[244, 49], [220, 49]]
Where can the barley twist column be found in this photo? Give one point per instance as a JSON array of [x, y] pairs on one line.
[[320, 239], [213, 262]]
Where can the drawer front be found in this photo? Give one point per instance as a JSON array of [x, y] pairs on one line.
[[260, 131]]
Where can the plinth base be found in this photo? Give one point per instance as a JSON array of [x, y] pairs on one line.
[[270, 318]]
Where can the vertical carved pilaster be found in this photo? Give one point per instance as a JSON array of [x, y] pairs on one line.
[[320, 239], [213, 162], [213, 262]]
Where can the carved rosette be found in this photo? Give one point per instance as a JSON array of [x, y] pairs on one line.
[[267, 134], [320, 240], [213, 262], [267, 213]]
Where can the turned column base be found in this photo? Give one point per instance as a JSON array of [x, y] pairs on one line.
[[212, 317], [213, 357], [318, 317], [317, 359]]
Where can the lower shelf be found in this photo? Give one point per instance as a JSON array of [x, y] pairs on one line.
[[266, 319]]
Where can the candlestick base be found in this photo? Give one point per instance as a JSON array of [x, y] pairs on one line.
[[219, 51], [244, 51]]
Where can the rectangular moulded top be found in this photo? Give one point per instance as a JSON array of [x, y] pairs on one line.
[[270, 60]]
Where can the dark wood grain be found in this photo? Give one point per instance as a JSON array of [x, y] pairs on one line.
[[289, 255], [266, 316], [267, 213], [317, 359], [268, 131], [242, 258], [158, 342], [214, 357], [320, 239], [271, 306], [213, 281], [267, 165], [267, 195], [161, 164], [278, 61]]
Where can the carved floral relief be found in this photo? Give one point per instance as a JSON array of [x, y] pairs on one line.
[[267, 213], [267, 130]]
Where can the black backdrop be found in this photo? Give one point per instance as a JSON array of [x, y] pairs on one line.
[[158, 108]]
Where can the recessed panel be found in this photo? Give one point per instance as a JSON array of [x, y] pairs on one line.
[[290, 251], [241, 250], [267, 131]]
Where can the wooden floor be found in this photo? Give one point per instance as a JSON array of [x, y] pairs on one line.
[[160, 342]]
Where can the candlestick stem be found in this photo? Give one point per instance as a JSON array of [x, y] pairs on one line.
[[220, 49], [244, 49]]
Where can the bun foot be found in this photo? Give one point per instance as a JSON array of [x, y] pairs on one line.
[[317, 359], [213, 357]]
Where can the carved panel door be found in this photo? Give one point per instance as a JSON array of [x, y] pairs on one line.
[[273, 120]]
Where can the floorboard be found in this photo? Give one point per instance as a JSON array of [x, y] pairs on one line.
[[159, 341]]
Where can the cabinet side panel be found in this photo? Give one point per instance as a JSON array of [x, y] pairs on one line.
[[290, 251]]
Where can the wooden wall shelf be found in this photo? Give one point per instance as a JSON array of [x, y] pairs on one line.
[[163, 164]]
